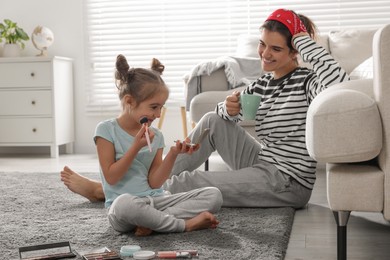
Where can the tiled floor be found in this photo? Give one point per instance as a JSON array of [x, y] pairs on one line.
[[314, 231]]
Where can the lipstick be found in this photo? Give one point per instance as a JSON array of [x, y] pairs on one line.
[[183, 254]]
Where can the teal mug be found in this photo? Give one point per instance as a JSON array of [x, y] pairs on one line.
[[249, 104]]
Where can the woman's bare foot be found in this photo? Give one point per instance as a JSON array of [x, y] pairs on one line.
[[81, 185], [202, 221], [142, 231]]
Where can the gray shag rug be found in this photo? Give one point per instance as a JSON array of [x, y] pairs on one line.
[[36, 208]]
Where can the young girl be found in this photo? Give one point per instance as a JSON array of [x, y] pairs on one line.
[[132, 174]]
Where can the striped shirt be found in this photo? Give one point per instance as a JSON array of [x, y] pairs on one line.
[[281, 117]]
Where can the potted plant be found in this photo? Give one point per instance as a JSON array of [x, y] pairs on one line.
[[14, 37]]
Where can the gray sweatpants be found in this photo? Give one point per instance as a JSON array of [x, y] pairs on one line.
[[251, 182], [165, 213]]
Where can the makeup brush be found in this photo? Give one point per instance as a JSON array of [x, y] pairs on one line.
[[144, 120]]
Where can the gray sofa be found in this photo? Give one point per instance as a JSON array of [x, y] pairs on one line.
[[347, 128], [347, 125], [350, 48]]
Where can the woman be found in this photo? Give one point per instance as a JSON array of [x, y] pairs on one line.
[[277, 170]]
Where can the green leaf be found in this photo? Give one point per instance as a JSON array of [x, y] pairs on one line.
[[9, 23], [12, 33], [22, 34]]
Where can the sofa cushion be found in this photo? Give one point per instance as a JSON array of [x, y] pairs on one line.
[[348, 189], [343, 125], [364, 71], [351, 47], [247, 45]]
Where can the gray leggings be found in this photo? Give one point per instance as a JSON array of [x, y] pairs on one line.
[[251, 182], [165, 213]]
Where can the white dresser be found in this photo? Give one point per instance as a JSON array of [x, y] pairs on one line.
[[36, 102]]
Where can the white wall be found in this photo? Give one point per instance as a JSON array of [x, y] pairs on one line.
[[65, 19]]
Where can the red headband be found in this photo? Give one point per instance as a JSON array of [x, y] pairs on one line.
[[289, 19]]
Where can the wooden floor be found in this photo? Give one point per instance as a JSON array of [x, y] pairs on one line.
[[314, 231]]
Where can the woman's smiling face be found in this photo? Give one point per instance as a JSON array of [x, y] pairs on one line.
[[276, 56]]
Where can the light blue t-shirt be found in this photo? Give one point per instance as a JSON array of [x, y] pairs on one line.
[[135, 181]]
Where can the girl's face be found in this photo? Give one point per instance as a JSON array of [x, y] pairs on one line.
[[150, 108], [275, 55]]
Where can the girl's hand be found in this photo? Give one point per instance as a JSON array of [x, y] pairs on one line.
[[184, 147], [140, 138], [232, 103]]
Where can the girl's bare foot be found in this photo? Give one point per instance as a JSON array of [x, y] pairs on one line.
[[142, 231], [81, 185], [202, 221]]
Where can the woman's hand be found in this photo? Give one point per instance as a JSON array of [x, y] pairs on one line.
[[232, 103], [297, 35]]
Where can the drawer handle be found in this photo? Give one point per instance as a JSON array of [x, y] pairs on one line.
[[34, 130], [33, 102], [32, 74]]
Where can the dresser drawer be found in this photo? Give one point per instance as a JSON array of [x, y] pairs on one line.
[[26, 130], [36, 103], [25, 74], [15, 103]]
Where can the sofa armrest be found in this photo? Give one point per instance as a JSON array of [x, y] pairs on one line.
[[216, 81], [343, 125], [207, 101]]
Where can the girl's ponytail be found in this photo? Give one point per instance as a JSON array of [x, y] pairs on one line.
[[122, 69], [157, 66]]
